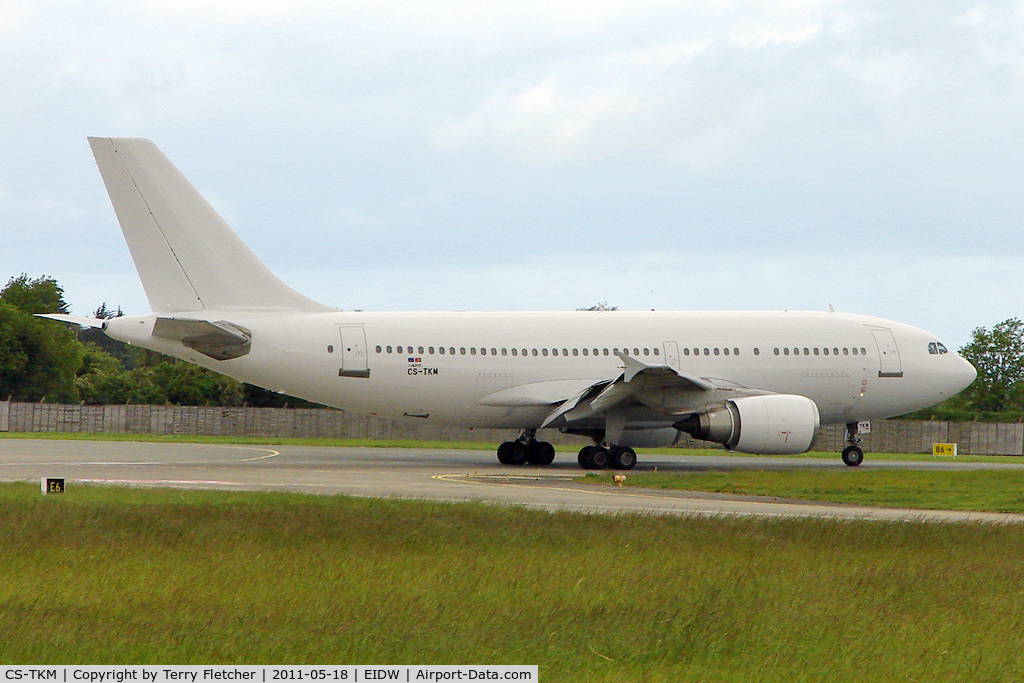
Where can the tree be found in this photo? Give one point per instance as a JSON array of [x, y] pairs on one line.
[[34, 295], [38, 358], [600, 306], [998, 355]]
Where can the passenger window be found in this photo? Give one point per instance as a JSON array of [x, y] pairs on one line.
[[863, 351], [441, 349], [757, 351], [796, 352], [483, 351], [636, 351], [451, 350], [786, 350], [565, 352], [534, 351], [420, 351], [647, 352], [846, 351], [504, 351], [707, 352], [515, 352], [431, 350], [776, 350], [726, 350], [605, 351], [835, 351], [575, 352], [815, 350], [462, 350], [716, 350], [825, 350], [586, 352], [472, 350], [656, 351], [735, 352], [807, 351], [544, 352], [686, 351], [855, 350]]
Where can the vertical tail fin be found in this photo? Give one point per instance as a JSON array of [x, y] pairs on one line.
[[186, 255]]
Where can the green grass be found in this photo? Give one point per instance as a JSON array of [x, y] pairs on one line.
[[976, 490], [117, 575]]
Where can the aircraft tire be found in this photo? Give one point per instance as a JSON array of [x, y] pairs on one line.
[[623, 458], [541, 453], [503, 450], [518, 453], [853, 456], [600, 458], [586, 458]]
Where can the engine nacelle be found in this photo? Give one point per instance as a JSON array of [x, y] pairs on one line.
[[777, 424]]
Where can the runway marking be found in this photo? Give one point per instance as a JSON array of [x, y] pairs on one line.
[[465, 478], [273, 454]]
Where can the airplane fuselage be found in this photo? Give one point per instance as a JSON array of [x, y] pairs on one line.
[[500, 369]]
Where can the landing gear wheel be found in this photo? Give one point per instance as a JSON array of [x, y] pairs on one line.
[[541, 453], [503, 450], [600, 458], [623, 458], [518, 453], [586, 457], [853, 456]]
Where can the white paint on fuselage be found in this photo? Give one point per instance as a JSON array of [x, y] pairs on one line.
[[290, 354]]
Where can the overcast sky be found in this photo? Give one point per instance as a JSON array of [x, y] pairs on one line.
[[538, 154]]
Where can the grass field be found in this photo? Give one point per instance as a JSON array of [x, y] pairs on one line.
[[977, 490], [116, 575]]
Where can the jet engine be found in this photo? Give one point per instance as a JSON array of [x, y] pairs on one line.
[[776, 423]]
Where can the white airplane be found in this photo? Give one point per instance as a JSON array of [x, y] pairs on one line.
[[757, 382]]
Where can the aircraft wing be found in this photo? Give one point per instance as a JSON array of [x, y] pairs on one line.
[[657, 386]]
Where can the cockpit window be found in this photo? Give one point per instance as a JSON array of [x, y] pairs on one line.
[[936, 347], [942, 349]]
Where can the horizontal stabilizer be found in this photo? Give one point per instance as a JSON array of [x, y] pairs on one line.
[[219, 340], [73, 319]]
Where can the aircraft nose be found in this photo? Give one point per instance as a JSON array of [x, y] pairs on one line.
[[966, 374]]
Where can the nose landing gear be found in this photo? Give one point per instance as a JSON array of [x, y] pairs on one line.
[[853, 455]]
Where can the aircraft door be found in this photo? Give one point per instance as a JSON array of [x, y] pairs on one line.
[[889, 364], [353, 352], [672, 354]]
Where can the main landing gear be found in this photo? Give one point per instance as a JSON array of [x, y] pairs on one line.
[[599, 458], [853, 455], [526, 450]]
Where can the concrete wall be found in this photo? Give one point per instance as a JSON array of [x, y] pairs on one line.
[[887, 436]]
